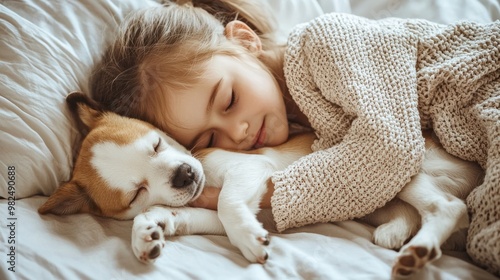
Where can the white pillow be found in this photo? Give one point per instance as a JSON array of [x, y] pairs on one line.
[[47, 50], [292, 12]]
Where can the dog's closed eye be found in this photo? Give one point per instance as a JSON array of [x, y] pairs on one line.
[[157, 146], [141, 188]]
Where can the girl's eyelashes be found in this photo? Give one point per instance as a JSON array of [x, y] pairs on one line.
[[231, 101], [212, 137]]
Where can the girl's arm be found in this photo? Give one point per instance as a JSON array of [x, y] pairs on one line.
[[355, 80], [210, 197]]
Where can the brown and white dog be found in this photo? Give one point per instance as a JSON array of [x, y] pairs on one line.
[[127, 168]]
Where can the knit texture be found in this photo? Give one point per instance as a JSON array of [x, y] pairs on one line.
[[368, 88]]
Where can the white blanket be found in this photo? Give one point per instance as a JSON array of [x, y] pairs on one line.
[[47, 49], [88, 247]]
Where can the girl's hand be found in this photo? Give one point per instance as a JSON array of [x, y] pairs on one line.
[[210, 197]]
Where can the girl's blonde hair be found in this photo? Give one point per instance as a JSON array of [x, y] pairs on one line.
[[165, 48]]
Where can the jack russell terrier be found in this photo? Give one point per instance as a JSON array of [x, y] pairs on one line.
[[128, 169]]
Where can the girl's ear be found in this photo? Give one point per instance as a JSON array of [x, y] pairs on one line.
[[242, 34]]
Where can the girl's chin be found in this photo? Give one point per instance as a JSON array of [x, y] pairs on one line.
[[276, 130], [278, 139]]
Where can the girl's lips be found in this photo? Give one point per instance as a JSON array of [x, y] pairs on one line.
[[260, 138]]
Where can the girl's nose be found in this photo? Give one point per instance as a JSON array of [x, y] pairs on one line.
[[238, 132]]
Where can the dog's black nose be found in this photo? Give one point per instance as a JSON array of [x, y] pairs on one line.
[[184, 176]]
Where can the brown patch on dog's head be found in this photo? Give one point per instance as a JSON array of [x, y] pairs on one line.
[[87, 192]]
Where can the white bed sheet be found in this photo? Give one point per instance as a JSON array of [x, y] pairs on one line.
[[88, 247], [36, 136]]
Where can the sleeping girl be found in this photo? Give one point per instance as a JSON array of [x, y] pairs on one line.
[[210, 75]]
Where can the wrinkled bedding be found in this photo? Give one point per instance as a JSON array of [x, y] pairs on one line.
[[47, 50]]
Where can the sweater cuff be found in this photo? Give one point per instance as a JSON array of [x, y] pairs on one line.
[[282, 202]]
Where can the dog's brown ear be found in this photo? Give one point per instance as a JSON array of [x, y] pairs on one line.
[[85, 111], [69, 198]]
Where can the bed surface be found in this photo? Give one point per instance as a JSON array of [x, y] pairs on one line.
[[88, 247], [47, 50]]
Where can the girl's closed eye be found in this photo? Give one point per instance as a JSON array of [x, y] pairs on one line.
[[232, 101]]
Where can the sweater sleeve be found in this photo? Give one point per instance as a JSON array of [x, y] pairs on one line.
[[355, 80]]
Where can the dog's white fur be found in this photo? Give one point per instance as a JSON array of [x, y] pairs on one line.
[[125, 167], [430, 208], [149, 169], [243, 178]]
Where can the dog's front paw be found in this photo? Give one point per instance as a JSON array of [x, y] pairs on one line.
[[413, 257], [148, 238], [252, 242]]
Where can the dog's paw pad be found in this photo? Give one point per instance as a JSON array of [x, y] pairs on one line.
[[161, 225], [155, 252], [263, 259], [148, 240], [264, 240], [252, 241], [424, 253], [155, 235], [401, 272], [412, 259]]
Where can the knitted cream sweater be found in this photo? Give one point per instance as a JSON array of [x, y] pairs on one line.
[[368, 88]]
